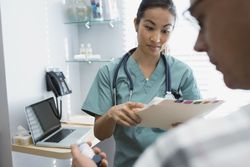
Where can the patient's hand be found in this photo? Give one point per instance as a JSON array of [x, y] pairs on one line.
[[80, 160]]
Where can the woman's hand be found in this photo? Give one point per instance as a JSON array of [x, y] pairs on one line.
[[80, 160], [126, 114]]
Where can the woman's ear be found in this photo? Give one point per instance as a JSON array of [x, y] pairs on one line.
[[136, 25]]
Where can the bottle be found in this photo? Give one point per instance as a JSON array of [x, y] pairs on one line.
[[82, 50], [82, 10], [89, 50], [70, 10], [97, 9]]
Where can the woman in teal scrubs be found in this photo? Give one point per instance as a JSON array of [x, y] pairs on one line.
[[153, 24]]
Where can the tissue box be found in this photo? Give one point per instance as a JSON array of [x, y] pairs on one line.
[[22, 140]]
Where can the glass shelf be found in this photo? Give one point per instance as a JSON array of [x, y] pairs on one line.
[[88, 23], [89, 61]]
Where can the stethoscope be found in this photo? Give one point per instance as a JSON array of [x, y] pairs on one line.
[[169, 94]]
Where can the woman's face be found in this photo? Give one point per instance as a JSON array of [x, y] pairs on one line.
[[153, 30]]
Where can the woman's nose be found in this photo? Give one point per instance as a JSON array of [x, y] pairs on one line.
[[155, 37]]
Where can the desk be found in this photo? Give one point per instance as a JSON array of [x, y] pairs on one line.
[[58, 153]]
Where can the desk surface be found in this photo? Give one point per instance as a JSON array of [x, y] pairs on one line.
[[59, 153]]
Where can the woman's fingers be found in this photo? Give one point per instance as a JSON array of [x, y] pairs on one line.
[[128, 117], [131, 111], [131, 115], [125, 123], [132, 105], [125, 114]]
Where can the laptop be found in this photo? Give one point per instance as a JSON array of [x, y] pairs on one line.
[[46, 129]]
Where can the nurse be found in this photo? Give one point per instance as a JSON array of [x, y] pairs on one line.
[[115, 114]]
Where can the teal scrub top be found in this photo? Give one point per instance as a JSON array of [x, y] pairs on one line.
[[132, 141]]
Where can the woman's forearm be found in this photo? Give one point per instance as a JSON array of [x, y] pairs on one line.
[[104, 126]]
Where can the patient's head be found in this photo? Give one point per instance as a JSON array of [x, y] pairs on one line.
[[225, 35]]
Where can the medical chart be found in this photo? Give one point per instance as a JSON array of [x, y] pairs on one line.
[[163, 113]]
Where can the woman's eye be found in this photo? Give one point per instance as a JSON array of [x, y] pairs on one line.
[[167, 31], [149, 28]]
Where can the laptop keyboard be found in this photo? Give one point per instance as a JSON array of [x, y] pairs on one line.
[[60, 135]]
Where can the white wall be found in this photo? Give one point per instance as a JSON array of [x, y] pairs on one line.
[[34, 37], [5, 155]]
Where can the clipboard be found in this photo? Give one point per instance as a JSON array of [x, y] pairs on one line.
[[164, 113]]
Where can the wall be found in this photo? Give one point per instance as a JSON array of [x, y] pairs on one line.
[[5, 156], [35, 37]]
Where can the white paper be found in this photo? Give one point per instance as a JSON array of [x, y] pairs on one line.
[[163, 113]]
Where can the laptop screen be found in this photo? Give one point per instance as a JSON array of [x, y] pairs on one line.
[[44, 112]]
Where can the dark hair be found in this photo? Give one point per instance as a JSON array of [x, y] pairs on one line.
[[149, 4]]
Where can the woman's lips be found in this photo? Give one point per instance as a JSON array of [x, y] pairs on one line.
[[154, 47]]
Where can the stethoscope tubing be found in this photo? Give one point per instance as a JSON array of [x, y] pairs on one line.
[[131, 85]]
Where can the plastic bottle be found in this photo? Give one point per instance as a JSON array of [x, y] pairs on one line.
[[70, 10], [82, 50], [82, 10], [97, 9], [89, 50]]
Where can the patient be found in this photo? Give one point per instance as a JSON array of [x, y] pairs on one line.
[[225, 35]]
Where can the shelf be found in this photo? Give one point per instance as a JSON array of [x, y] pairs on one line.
[[88, 23], [89, 61], [52, 152]]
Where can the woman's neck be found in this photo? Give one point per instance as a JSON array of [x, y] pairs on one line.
[[145, 60], [147, 63]]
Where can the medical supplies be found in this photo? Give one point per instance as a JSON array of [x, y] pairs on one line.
[[22, 137]]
